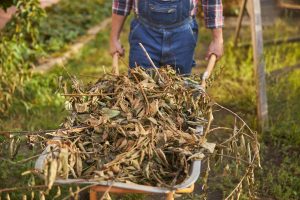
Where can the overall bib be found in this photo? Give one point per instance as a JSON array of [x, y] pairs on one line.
[[168, 33]]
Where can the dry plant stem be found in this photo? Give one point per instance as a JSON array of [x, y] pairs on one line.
[[236, 116], [27, 159], [205, 178], [77, 192], [143, 92], [21, 161], [109, 188], [257, 152], [35, 187], [233, 136], [10, 134], [124, 62], [88, 95], [88, 76], [238, 185], [210, 119], [151, 61], [70, 76], [234, 158], [219, 128], [107, 191]]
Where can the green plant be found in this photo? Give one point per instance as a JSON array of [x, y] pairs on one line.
[[15, 47], [69, 19], [30, 35]]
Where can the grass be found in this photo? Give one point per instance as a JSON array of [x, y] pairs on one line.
[[233, 86], [68, 20]]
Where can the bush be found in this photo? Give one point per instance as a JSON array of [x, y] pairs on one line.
[[16, 46]]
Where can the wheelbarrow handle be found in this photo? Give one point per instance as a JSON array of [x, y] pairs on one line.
[[210, 66], [115, 64]]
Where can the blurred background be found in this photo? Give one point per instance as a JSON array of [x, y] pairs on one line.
[[37, 38]]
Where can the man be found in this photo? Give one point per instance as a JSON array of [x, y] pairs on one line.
[[167, 29]]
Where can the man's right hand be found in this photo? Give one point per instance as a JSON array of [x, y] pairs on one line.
[[116, 47]]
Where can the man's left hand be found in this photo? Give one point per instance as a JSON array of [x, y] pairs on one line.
[[216, 45]]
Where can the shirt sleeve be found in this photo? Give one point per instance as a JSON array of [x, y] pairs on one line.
[[213, 13], [122, 7]]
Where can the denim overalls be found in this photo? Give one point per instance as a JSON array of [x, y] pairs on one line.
[[168, 33]]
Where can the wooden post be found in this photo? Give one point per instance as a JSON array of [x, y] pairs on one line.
[[254, 9], [240, 19]]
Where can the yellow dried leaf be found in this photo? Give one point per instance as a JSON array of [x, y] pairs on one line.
[[63, 158], [32, 195], [162, 156], [24, 197], [58, 193], [154, 121], [153, 107], [42, 196], [7, 196], [136, 164], [209, 146], [78, 164], [123, 106], [52, 173], [142, 157]]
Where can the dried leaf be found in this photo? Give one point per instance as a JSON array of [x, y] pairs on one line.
[[153, 108], [58, 193], [63, 158], [136, 164], [81, 107], [209, 146], [109, 113], [42, 196], [24, 197], [162, 156], [78, 165], [116, 169], [52, 173], [197, 156]]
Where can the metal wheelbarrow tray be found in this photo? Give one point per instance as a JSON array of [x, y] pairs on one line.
[[187, 186]]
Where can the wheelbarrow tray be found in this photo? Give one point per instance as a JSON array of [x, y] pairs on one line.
[[188, 182]]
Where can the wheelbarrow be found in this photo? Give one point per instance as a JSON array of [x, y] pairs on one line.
[[187, 186]]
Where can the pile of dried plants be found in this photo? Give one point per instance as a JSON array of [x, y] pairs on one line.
[[146, 128]]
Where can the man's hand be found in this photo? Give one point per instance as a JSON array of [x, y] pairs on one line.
[[116, 28], [116, 47], [216, 45]]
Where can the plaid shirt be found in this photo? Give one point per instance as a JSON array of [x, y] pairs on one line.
[[212, 9]]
